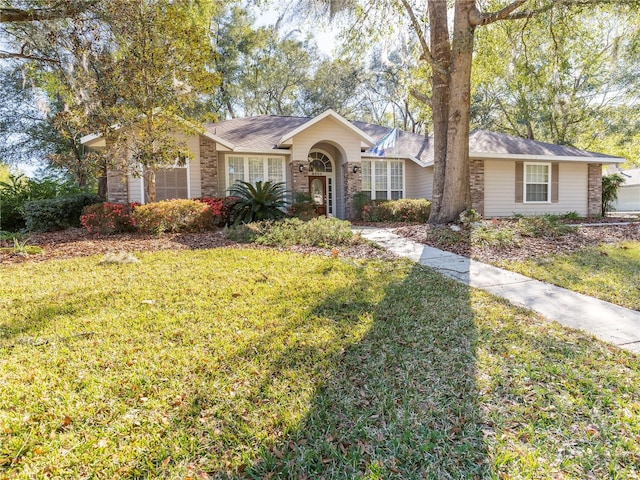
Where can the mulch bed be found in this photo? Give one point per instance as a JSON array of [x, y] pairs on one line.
[[76, 242], [529, 247]]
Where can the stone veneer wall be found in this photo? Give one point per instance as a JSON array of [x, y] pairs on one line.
[[476, 173], [299, 180], [352, 185], [594, 202], [208, 167], [117, 186]]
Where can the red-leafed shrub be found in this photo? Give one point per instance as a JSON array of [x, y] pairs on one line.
[[108, 218], [221, 208], [179, 215]]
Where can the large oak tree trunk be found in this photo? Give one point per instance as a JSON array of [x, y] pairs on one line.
[[450, 103]]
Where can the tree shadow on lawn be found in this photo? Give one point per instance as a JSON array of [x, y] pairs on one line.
[[400, 402], [43, 313]]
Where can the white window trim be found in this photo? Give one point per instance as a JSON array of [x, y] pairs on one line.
[[186, 165], [387, 163], [245, 160], [524, 182]]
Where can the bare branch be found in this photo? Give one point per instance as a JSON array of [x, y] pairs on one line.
[[426, 51], [477, 18], [6, 55]]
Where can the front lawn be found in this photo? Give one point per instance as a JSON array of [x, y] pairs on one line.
[[244, 363], [609, 272]]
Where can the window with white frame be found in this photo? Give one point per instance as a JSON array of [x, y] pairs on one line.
[[254, 169], [383, 179], [537, 182]]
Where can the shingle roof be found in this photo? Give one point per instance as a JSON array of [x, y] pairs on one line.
[[264, 131]]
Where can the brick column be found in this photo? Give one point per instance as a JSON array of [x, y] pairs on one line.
[[352, 185], [594, 199], [299, 180], [476, 173], [117, 186], [208, 167]]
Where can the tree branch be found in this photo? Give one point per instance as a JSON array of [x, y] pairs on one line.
[[426, 51], [25, 56], [14, 15], [477, 18], [421, 97]]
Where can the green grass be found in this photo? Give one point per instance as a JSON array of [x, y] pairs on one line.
[[609, 272], [237, 363]]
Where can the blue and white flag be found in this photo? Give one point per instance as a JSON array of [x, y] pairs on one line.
[[385, 143]]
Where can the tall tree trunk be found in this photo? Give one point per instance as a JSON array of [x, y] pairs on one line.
[[457, 192], [441, 50], [149, 185]]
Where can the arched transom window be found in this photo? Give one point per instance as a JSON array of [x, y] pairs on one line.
[[319, 163]]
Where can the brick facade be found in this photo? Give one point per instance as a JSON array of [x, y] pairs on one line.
[[117, 187], [299, 180], [352, 185], [476, 177], [209, 167], [594, 202]]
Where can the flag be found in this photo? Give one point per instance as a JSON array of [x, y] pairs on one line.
[[385, 143]]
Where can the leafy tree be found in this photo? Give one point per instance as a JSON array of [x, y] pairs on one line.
[[446, 35], [557, 78]]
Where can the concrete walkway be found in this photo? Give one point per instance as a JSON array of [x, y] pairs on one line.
[[604, 320]]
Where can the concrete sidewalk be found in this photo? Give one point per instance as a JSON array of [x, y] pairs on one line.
[[604, 320]]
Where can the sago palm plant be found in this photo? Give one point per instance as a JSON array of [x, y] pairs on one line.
[[262, 201]]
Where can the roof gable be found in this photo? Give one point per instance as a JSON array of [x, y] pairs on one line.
[[285, 140]]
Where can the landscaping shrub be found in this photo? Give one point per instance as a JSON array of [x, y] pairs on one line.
[[18, 189], [56, 213], [498, 236], [303, 206], [221, 208], [179, 215], [360, 199], [318, 232], [545, 226], [108, 218], [262, 201], [403, 210], [610, 186]]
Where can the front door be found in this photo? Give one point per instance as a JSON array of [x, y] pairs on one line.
[[318, 191]]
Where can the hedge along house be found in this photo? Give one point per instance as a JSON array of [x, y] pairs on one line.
[[329, 157]]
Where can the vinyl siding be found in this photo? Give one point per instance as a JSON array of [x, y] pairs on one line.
[[418, 180], [628, 199], [499, 192]]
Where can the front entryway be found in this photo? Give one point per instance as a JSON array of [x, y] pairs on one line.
[[318, 191], [322, 182]]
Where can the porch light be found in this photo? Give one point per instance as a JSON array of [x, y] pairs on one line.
[[356, 169], [301, 168]]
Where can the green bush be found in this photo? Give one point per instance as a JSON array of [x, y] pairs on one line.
[[494, 236], [318, 232], [303, 206], [404, 210], [179, 215], [262, 201], [545, 226], [56, 213], [360, 199], [18, 189]]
